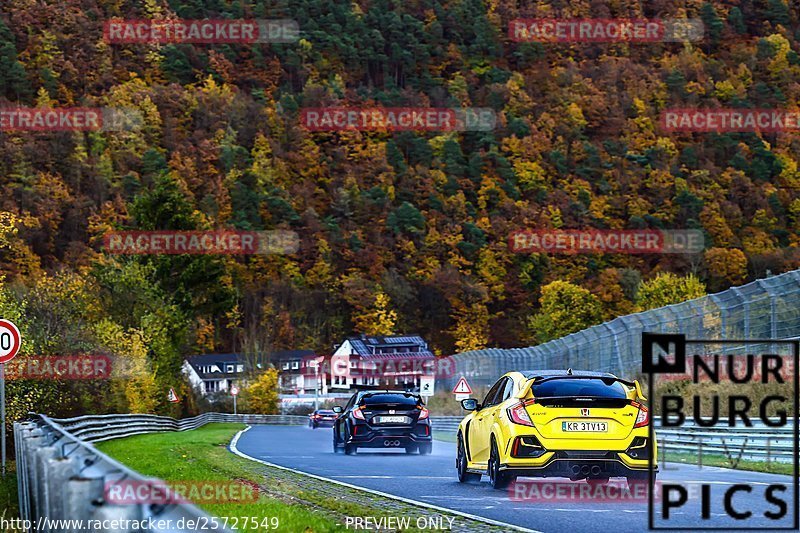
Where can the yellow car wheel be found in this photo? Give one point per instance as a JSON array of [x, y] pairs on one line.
[[498, 478], [461, 464]]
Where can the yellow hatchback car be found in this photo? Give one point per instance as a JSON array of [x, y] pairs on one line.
[[556, 423]]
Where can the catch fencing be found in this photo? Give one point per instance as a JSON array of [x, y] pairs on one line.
[[765, 309]]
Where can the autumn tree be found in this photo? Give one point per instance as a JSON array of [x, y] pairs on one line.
[[667, 289], [565, 308], [726, 267], [261, 396], [378, 318]]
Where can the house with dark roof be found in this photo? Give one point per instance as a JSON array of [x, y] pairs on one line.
[[212, 373], [390, 361]]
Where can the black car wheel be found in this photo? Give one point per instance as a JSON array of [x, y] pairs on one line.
[[597, 482], [412, 448], [425, 448], [461, 464], [498, 478], [350, 449], [336, 447]]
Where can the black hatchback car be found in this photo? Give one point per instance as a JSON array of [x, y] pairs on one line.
[[383, 419]]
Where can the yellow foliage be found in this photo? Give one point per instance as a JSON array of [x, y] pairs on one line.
[[378, 319], [471, 331], [261, 396]]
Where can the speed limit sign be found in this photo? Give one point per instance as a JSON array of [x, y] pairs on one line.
[[10, 341]]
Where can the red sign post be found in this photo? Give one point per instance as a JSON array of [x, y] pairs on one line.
[[10, 343]]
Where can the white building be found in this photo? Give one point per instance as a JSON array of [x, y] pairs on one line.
[[213, 372], [393, 361]]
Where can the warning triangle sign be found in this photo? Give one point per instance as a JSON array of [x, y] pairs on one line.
[[462, 387], [172, 396]]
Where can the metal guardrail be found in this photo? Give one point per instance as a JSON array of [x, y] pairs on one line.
[[62, 476], [97, 428]]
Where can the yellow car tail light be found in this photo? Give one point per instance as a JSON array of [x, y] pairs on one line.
[[519, 415], [643, 418]]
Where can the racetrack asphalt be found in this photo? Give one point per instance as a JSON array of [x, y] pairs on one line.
[[432, 479]]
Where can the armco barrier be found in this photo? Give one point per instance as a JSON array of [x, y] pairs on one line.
[[60, 475]]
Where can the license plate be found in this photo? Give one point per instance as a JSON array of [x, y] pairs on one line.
[[390, 419], [593, 427]]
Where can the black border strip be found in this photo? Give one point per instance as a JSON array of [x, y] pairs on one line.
[[651, 480]]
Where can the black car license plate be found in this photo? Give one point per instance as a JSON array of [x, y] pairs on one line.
[[391, 419]]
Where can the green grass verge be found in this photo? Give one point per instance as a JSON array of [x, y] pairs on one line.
[[9, 502], [772, 467], [201, 455], [444, 436], [299, 503]]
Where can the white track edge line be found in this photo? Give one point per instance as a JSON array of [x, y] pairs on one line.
[[232, 447]]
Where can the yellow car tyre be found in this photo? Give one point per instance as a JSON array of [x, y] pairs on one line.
[[498, 478], [461, 464]]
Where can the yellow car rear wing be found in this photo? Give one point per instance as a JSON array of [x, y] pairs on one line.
[[525, 390]]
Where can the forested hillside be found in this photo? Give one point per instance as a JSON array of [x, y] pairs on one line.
[[399, 232]]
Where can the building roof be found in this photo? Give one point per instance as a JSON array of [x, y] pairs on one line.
[[197, 362], [367, 345]]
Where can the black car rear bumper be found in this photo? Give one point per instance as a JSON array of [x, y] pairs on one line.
[[388, 437]]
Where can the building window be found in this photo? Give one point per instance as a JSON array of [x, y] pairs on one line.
[[353, 364], [230, 369], [285, 366], [295, 365], [211, 386]]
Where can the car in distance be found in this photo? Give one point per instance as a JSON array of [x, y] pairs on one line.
[[321, 418], [545, 423], [383, 419]]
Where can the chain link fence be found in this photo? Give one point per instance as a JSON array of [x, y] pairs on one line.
[[765, 309]]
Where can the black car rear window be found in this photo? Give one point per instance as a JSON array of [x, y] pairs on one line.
[[389, 398], [579, 387]]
